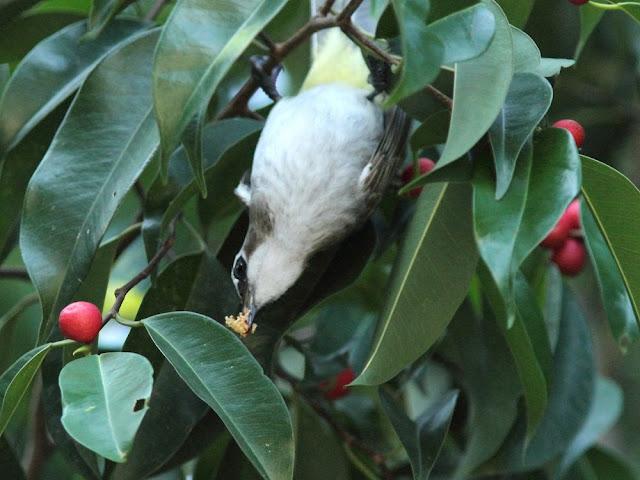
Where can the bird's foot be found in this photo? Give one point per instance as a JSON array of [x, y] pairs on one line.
[[267, 81]]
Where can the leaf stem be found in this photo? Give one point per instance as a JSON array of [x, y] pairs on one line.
[[14, 273], [62, 343], [611, 6]]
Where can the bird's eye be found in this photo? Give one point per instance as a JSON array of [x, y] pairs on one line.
[[240, 269]]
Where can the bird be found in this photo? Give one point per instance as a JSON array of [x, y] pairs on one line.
[[321, 165]]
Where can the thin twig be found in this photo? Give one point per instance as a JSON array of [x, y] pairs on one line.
[[348, 10], [349, 439], [155, 10], [14, 273], [363, 40], [325, 9], [441, 97], [122, 292], [41, 447]]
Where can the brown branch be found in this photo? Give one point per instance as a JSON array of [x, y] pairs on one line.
[[348, 438], [122, 292], [441, 97], [363, 40], [345, 14], [14, 273], [41, 447]]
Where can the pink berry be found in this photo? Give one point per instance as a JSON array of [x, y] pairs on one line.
[[339, 389], [575, 129], [570, 257], [559, 234], [80, 321], [578, 2], [426, 165], [573, 214]]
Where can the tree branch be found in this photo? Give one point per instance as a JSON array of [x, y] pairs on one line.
[[14, 273], [349, 439], [122, 292]]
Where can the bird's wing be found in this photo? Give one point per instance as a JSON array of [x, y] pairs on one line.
[[384, 162]]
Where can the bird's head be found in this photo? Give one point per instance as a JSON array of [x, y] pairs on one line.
[[266, 266]]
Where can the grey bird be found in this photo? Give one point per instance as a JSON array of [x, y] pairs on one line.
[[321, 166]]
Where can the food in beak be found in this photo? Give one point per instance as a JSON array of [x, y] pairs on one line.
[[241, 323]]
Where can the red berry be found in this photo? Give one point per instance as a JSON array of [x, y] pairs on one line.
[[426, 165], [578, 2], [570, 257], [573, 214], [80, 321], [559, 234], [339, 389], [574, 128]]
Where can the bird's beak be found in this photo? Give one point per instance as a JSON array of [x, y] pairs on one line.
[[250, 307]]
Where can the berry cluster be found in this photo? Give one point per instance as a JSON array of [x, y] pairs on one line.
[[337, 387], [425, 165], [568, 248]]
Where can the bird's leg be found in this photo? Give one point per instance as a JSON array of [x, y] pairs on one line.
[[266, 81], [380, 76]]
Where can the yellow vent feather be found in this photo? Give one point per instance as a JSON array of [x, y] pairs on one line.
[[338, 60]]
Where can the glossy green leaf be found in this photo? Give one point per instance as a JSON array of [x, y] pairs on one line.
[[197, 283], [550, 67], [20, 35], [616, 301], [439, 251], [5, 73], [422, 50], [491, 383], [60, 231], [16, 380], [228, 149], [606, 408], [526, 54], [480, 88], [16, 170], [220, 370], [8, 321], [51, 72], [555, 181], [589, 19], [432, 131], [9, 464], [527, 102], [104, 398], [522, 341], [423, 439], [319, 452], [101, 13], [465, 34], [193, 145], [572, 384], [605, 189], [199, 44], [517, 11]]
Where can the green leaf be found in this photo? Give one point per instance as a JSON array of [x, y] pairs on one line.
[[21, 34], [319, 452], [193, 145], [50, 73], [573, 384], [606, 408], [517, 11], [605, 190], [422, 50], [608, 465], [465, 34], [526, 54], [438, 251], [228, 149], [18, 167], [423, 439], [589, 19], [12, 8], [527, 102], [101, 13], [550, 67], [193, 282], [104, 398], [555, 181], [9, 464], [432, 131], [61, 232], [220, 370], [480, 88], [8, 321], [491, 383], [16, 380], [207, 39], [615, 298]]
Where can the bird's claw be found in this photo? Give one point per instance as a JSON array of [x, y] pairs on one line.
[[267, 81]]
